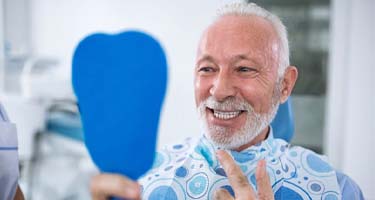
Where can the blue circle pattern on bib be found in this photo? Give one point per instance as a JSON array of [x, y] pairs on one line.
[[163, 192], [197, 186], [295, 173]]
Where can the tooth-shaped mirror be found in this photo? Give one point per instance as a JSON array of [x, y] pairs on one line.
[[120, 83]]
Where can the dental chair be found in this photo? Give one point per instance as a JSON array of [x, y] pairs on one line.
[[59, 148], [113, 101], [283, 124]]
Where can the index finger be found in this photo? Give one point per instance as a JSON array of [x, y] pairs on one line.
[[237, 179], [263, 182]]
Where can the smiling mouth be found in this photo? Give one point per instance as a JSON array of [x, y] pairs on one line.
[[225, 115]]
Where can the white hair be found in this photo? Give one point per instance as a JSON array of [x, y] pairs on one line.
[[251, 9]]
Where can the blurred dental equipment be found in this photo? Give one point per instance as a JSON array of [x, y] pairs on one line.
[[51, 151]]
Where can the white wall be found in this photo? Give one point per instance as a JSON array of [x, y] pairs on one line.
[[351, 91], [2, 57], [16, 31], [57, 27]]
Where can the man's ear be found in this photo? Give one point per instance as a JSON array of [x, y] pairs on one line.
[[289, 79]]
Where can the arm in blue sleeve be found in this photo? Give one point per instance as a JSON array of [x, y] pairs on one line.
[[349, 189]]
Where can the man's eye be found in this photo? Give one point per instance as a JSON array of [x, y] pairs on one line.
[[245, 69], [206, 69]]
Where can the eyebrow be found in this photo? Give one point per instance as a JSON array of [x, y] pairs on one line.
[[234, 59], [206, 58], [240, 57]]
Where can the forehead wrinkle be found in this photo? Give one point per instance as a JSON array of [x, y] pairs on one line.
[[254, 56], [263, 45], [239, 57]]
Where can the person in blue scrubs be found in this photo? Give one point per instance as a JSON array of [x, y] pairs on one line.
[[242, 74], [9, 173]]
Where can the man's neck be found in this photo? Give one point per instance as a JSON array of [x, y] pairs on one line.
[[262, 136]]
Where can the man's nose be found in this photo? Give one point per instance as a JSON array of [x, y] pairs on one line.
[[223, 88]]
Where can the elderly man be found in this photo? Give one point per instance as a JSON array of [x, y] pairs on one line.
[[242, 74]]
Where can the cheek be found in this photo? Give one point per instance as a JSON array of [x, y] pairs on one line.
[[201, 90], [250, 93], [256, 95]]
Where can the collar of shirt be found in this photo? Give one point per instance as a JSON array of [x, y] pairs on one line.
[[267, 149]]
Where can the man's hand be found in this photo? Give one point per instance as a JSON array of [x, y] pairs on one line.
[[239, 182], [19, 194], [104, 186]]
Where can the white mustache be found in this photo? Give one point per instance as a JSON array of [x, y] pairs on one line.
[[229, 104]]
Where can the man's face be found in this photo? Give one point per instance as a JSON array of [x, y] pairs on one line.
[[236, 80]]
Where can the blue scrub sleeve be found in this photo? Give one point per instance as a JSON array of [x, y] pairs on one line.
[[8, 157], [349, 189]]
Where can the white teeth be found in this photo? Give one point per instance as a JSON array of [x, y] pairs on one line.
[[226, 115]]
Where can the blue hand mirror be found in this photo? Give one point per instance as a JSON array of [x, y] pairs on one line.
[[120, 83]]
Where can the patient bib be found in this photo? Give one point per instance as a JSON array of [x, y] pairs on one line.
[[190, 170]]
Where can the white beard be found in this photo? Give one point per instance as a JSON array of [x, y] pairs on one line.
[[227, 138]]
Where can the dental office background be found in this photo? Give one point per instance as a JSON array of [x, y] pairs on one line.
[[332, 44]]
